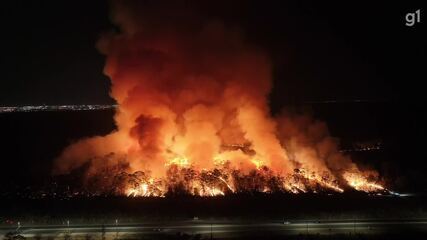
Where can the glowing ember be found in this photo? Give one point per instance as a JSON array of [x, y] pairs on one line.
[[193, 117]]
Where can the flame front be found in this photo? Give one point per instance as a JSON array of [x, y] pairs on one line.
[[222, 180], [362, 184], [193, 117]]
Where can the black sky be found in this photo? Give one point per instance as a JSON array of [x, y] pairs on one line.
[[321, 51], [49, 53]]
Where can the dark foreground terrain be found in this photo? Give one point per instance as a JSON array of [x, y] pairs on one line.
[[252, 216], [239, 206], [214, 229]]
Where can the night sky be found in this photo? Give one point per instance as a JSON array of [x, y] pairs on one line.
[[321, 51]]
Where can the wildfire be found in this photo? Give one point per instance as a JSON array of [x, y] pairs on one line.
[[218, 160], [258, 163], [139, 191], [193, 117], [179, 161], [223, 180], [215, 192], [362, 184], [210, 192], [140, 188]]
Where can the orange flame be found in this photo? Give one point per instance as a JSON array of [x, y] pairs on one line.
[[193, 114]]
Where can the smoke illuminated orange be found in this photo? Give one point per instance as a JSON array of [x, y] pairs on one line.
[[193, 116]]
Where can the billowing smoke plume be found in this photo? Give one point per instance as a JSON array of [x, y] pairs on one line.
[[192, 99]]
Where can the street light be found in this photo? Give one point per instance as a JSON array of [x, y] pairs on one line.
[[307, 227], [354, 226], [68, 226], [117, 229]]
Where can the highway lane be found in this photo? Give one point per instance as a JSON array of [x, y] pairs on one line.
[[226, 229]]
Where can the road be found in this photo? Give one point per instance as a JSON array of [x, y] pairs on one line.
[[224, 229]]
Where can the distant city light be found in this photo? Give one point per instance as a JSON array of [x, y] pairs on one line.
[[41, 108]]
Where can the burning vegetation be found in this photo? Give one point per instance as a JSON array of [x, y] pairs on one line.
[[193, 116]]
